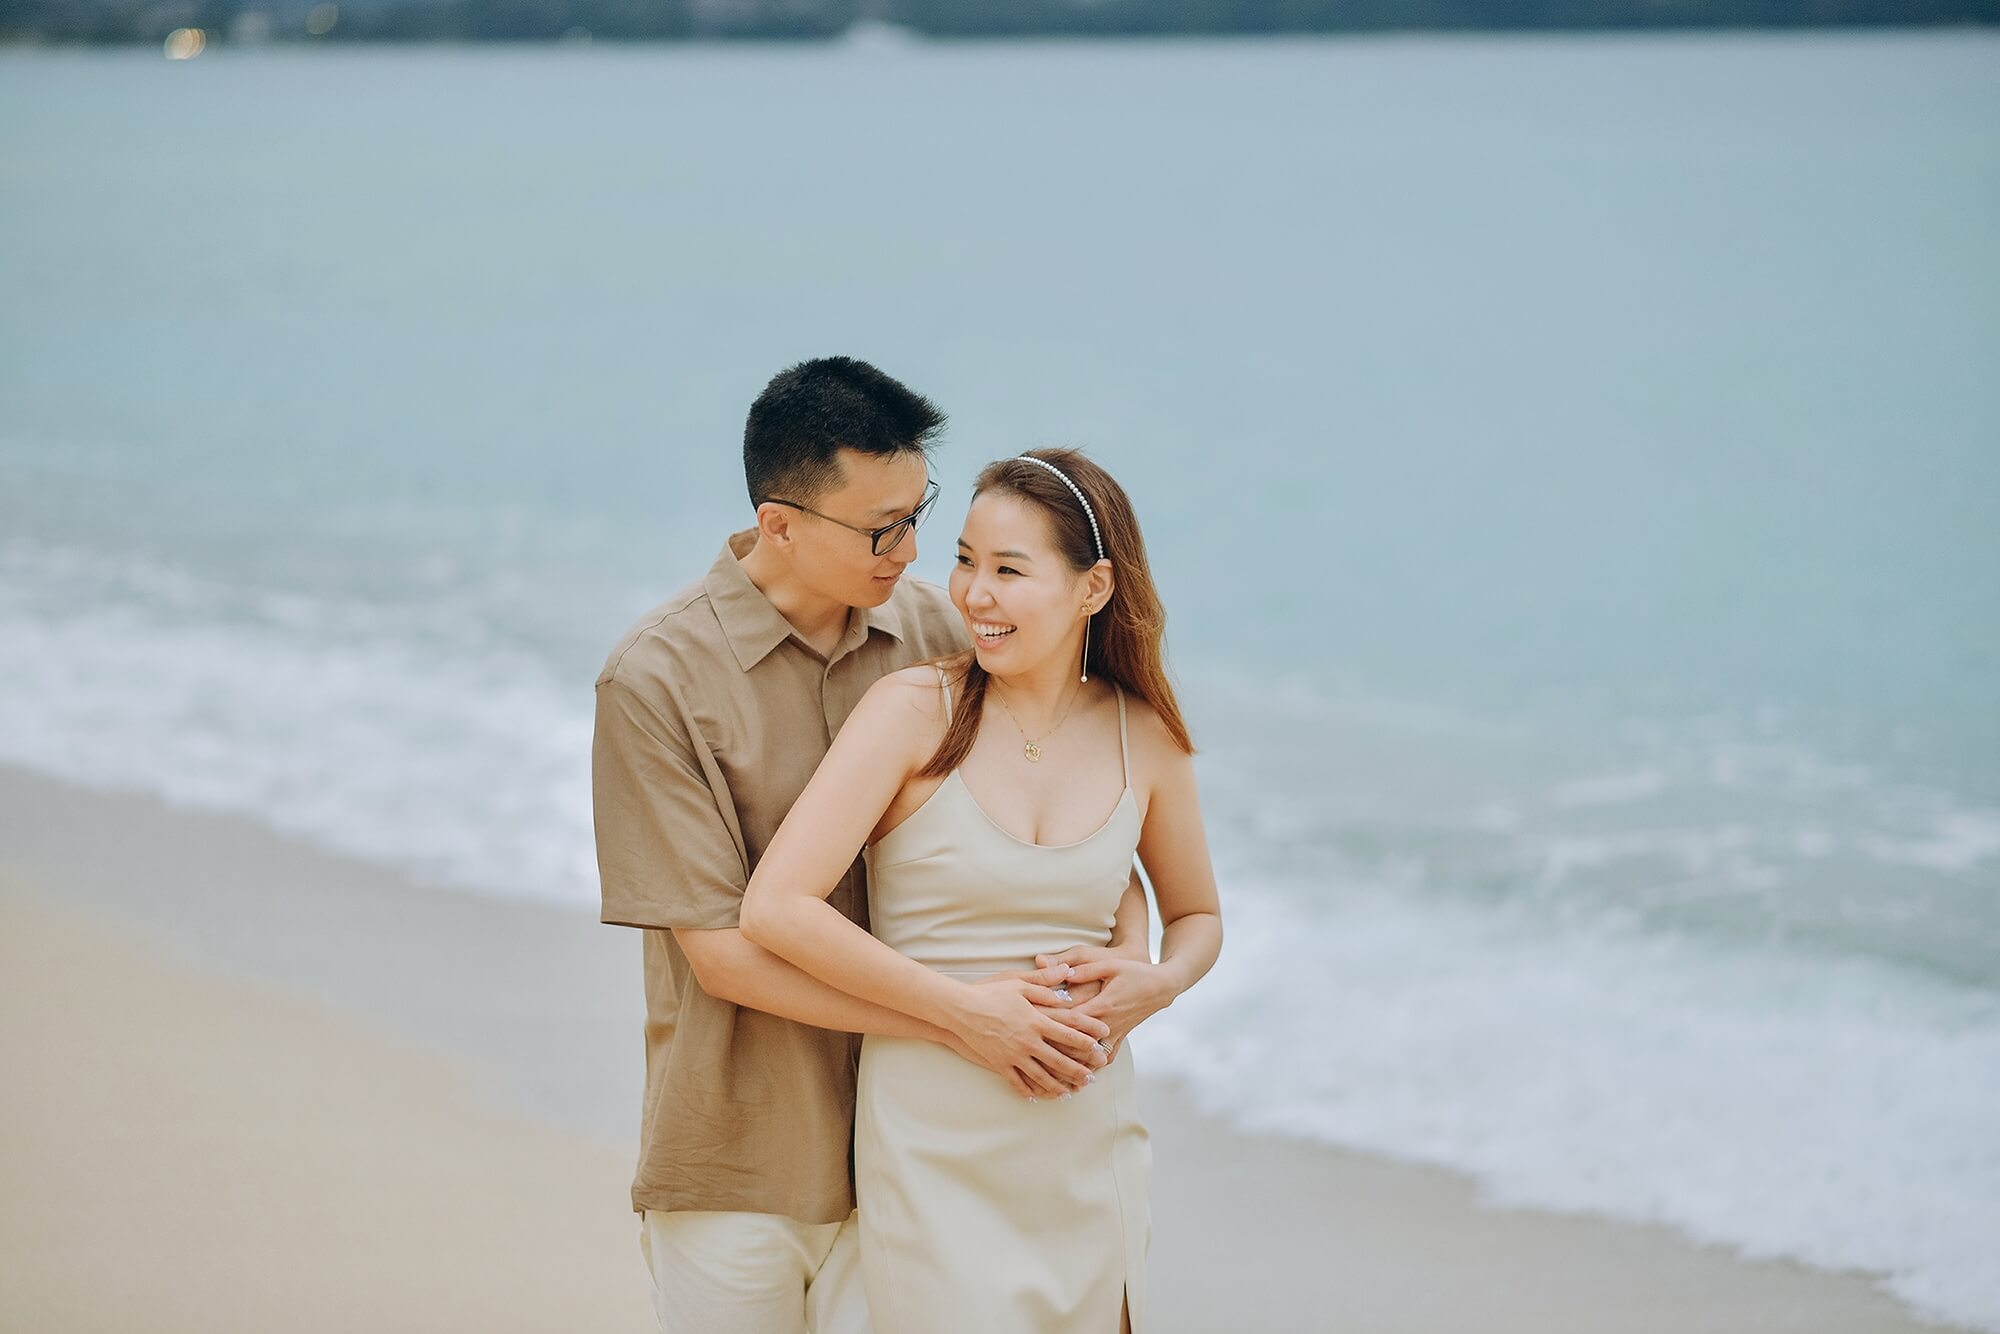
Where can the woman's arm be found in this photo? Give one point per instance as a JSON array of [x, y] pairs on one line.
[[883, 743], [1173, 847]]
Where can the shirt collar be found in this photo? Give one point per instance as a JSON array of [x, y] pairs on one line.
[[888, 618], [754, 627]]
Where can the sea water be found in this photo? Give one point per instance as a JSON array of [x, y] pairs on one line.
[[1572, 466]]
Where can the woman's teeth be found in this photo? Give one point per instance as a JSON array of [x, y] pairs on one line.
[[989, 633]]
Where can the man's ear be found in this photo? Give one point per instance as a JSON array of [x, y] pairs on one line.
[[774, 525]]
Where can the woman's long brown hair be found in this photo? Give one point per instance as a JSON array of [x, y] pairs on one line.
[[1127, 634]]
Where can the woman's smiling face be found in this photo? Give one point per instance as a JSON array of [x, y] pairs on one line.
[[1021, 601]]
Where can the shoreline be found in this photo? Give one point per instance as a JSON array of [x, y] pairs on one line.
[[214, 1024]]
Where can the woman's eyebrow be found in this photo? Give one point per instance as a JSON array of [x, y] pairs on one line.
[[1009, 554]]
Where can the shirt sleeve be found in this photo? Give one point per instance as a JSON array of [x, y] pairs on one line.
[[666, 857]]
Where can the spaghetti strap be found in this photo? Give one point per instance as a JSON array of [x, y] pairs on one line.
[[1124, 746], [944, 685]]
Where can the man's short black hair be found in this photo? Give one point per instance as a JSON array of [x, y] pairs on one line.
[[814, 409]]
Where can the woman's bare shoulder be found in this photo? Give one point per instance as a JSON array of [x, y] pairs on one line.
[[912, 693], [1153, 745]]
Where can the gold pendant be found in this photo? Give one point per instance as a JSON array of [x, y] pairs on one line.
[[1033, 752]]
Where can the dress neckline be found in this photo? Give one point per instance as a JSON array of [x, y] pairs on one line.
[[1124, 795]]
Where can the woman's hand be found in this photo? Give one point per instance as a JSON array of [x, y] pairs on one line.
[[1028, 1034], [1115, 986]]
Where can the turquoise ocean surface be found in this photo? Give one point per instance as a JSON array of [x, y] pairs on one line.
[[1572, 467]]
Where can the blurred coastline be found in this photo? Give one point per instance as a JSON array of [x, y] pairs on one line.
[[894, 22]]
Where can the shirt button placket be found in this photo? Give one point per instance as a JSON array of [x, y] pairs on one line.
[[826, 701]]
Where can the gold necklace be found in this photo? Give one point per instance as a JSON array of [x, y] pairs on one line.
[[1031, 746]]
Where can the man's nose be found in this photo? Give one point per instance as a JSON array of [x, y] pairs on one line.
[[905, 549]]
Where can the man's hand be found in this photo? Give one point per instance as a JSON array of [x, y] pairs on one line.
[[1120, 987]]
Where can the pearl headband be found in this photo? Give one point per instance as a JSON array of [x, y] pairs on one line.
[[1075, 490]]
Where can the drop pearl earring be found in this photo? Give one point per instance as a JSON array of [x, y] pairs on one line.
[[1086, 644]]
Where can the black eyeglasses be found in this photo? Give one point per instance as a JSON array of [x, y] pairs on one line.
[[881, 540]]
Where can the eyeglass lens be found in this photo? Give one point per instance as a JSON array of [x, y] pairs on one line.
[[886, 539]]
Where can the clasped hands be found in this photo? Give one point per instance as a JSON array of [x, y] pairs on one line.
[[1047, 1031]]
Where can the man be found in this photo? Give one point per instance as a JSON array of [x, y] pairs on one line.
[[712, 714]]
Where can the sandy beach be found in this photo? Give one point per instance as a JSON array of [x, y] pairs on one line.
[[253, 1086]]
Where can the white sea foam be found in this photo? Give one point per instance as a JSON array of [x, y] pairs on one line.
[[1609, 789], [404, 740], [1958, 840], [1835, 1111]]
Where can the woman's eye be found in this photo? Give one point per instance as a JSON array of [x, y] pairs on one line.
[[1008, 569], [965, 560]]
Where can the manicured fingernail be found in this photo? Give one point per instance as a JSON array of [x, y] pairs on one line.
[[1090, 1079], [1066, 1097]]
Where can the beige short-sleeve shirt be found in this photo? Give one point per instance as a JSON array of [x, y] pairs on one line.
[[711, 716]]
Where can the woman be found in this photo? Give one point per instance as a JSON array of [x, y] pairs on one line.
[[980, 789]]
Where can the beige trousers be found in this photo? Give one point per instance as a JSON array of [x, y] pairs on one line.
[[724, 1273]]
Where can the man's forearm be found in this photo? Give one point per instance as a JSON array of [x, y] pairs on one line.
[[736, 970]]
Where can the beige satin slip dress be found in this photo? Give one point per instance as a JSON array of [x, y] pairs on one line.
[[982, 1212]]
